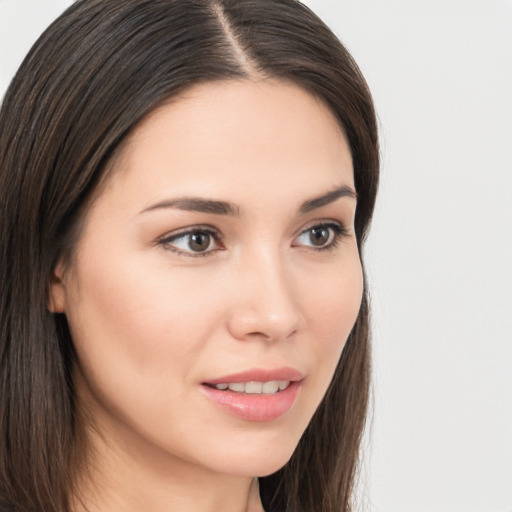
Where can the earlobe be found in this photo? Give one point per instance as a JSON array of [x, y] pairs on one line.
[[57, 292]]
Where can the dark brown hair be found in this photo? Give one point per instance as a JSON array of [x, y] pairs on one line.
[[97, 71]]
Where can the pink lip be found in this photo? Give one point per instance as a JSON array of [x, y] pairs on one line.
[[259, 375], [256, 407]]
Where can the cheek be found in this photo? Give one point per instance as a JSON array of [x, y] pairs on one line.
[[332, 312], [138, 337], [137, 318]]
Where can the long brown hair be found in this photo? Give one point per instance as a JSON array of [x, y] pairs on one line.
[[90, 78]]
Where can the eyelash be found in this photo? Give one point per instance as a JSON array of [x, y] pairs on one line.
[[339, 232], [215, 235]]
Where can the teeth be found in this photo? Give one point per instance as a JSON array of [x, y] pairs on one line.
[[237, 386], [270, 387], [255, 388]]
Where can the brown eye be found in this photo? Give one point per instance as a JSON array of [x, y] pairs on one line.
[[196, 242], [321, 236], [199, 242]]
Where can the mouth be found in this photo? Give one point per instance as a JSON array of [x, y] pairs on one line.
[[253, 388], [256, 395]]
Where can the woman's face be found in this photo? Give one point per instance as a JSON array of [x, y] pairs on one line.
[[220, 251]]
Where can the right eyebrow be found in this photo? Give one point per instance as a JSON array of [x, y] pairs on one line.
[[197, 204]]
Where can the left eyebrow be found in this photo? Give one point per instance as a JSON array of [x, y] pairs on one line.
[[325, 199]]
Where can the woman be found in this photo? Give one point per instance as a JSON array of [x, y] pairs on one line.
[[183, 305]]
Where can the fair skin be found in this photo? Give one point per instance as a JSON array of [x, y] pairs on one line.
[[163, 299]]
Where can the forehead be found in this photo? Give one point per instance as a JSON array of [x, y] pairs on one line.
[[224, 136]]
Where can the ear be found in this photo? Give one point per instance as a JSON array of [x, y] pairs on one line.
[[57, 291]]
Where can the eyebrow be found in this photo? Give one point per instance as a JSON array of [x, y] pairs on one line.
[[198, 204], [325, 199]]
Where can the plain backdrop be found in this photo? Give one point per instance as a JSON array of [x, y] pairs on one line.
[[440, 251]]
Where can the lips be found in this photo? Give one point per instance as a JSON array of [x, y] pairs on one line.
[[257, 394], [260, 375]]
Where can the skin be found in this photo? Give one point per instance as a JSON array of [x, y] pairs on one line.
[[152, 320]]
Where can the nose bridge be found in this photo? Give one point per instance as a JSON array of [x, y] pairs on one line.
[[266, 304]]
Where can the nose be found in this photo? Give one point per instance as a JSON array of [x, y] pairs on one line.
[[266, 305]]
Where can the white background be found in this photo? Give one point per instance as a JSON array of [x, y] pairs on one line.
[[440, 252]]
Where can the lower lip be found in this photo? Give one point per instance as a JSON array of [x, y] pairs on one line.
[[255, 407]]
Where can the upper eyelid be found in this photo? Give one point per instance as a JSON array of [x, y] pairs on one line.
[[339, 227], [322, 222], [218, 234], [192, 229]]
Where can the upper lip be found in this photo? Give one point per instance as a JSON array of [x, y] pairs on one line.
[[259, 375]]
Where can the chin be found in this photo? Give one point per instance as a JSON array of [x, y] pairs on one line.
[[259, 466], [257, 458]]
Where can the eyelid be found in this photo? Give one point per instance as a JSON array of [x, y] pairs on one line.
[[323, 222], [166, 240], [340, 232], [190, 229]]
